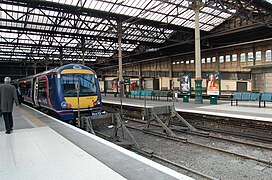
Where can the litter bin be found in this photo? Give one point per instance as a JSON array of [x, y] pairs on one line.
[[186, 98], [213, 99]]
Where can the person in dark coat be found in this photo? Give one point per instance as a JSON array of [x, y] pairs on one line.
[[8, 95]]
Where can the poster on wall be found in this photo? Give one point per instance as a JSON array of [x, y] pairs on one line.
[[185, 84], [213, 83]]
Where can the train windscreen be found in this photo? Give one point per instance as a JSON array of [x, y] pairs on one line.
[[87, 84]]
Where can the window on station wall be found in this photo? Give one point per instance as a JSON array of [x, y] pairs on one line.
[[258, 55], [174, 63], [177, 62], [192, 61], [221, 59], [176, 74], [227, 58], [250, 56], [181, 62], [213, 59], [187, 62], [203, 61], [234, 57], [243, 57], [208, 60], [268, 55]]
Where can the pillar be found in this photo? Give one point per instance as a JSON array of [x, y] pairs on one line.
[[196, 5]]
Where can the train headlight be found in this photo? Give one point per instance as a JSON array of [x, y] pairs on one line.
[[65, 105], [96, 103]]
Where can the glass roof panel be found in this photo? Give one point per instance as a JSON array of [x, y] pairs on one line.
[[171, 11], [149, 9]]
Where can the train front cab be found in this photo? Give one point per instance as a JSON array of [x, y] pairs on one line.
[[73, 81]]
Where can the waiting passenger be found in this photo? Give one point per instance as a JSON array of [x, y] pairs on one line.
[[19, 94], [7, 96]]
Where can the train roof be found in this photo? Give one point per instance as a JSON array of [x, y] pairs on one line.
[[57, 70]]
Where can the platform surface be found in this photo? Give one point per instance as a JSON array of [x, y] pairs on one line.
[[44, 148], [245, 110], [41, 153]]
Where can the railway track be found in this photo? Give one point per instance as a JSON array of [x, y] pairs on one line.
[[179, 139]]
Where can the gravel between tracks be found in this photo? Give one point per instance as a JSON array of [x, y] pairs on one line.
[[210, 162]]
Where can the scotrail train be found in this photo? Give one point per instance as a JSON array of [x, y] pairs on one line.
[[62, 89]]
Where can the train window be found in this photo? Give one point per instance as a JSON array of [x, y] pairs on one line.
[[25, 88], [213, 59], [243, 57], [87, 84], [221, 59], [258, 55], [250, 56], [227, 58], [234, 57], [268, 55], [42, 89]]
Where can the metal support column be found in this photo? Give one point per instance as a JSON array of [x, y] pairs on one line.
[[196, 5], [120, 34]]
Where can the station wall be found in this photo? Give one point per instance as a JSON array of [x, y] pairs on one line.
[[235, 63]]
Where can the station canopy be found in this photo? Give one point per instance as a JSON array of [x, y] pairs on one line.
[[54, 31]]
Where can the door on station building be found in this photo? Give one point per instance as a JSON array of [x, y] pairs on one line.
[[241, 86], [268, 80], [257, 82], [156, 84], [170, 88]]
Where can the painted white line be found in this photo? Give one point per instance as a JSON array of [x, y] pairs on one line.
[[142, 159]]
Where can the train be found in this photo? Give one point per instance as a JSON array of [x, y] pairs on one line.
[[64, 91]]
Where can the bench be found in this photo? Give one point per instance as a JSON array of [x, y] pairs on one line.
[[244, 96], [159, 94], [248, 96], [264, 98], [142, 94]]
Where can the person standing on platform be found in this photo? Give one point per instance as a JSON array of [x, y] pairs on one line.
[[19, 95], [8, 95]]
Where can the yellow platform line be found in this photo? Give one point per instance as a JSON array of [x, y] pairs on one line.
[[31, 118]]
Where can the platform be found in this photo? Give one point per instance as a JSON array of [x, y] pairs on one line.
[[41, 147], [245, 110]]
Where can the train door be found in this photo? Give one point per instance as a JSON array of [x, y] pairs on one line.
[[43, 91], [241, 86], [35, 91]]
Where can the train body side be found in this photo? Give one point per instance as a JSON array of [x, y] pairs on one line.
[[56, 90]]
